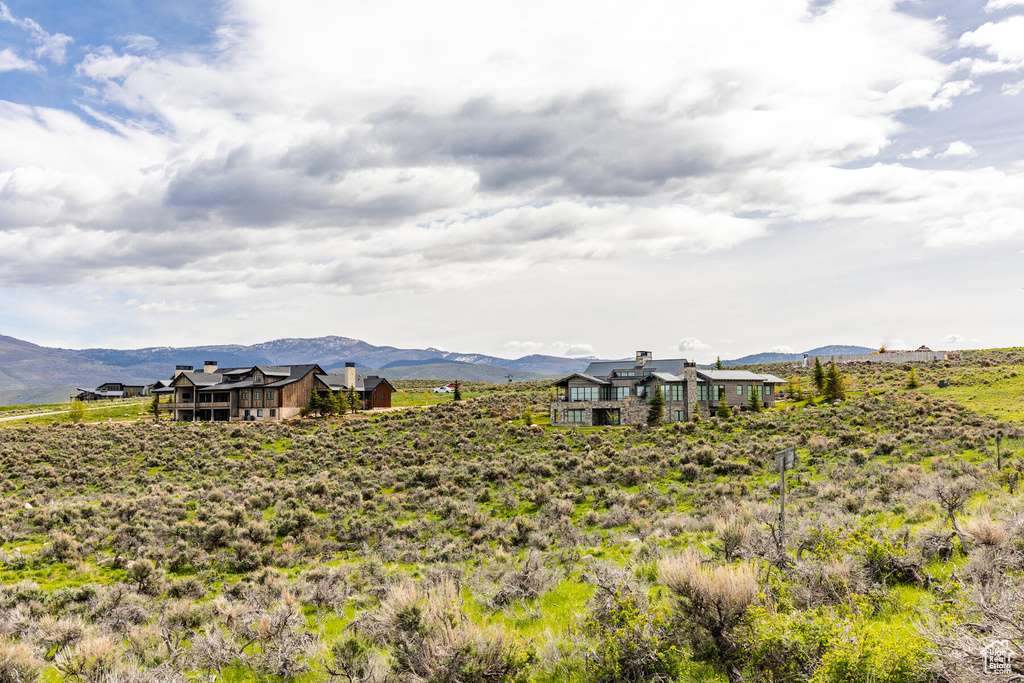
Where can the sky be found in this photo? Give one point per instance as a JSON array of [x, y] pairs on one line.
[[697, 178]]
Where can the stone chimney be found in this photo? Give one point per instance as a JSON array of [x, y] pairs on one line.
[[209, 366], [350, 375], [178, 369], [642, 357]]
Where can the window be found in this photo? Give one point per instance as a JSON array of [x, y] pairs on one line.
[[675, 392], [720, 392], [584, 394], [255, 395], [679, 415], [259, 413], [739, 389], [768, 389], [257, 379], [273, 413], [245, 395], [702, 392], [270, 395], [646, 372], [245, 414], [575, 416]]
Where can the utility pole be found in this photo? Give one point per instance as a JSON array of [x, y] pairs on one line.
[[509, 378], [784, 460], [999, 457]]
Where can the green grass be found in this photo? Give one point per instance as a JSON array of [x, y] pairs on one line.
[[118, 412], [1001, 398]]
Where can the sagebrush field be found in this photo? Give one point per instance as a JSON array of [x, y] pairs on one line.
[[460, 543]]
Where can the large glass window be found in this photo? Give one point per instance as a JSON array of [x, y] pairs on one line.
[[259, 413], [584, 394], [675, 392], [720, 392], [270, 395], [255, 395], [245, 395], [575, 416], [739, 389], [702, 392], [768, 388], [679, 415]]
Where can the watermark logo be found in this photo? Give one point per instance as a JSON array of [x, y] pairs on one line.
[[998, 656]]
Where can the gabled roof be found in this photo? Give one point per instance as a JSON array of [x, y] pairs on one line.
[[663, 376], [220, 380], [604, 368], [581, 375], [739, 376], [368, 383]]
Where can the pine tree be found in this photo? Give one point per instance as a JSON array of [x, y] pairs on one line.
[[795, 389], [819, 375], [718, 363], [835, 384], [457, 396], [333, 403], [656, 408], [912, 382], [723, 409], [352, 400], [755, 399], [315, 405], [154, 407]]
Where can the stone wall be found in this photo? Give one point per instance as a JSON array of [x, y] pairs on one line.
[[887, 357]]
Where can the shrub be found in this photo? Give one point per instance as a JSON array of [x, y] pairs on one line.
[[709, 604], [18, 663]]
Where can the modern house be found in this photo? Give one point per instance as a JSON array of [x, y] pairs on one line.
[[261, 392], [618, 392], [110, 390]]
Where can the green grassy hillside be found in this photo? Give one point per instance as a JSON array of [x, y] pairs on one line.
[[459, 543]]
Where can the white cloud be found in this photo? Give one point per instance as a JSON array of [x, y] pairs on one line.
[[573, 348], [957, 148], [995, 5], [12, 62], [920, 153], [51, 46], [1003, 40], [954, 340], [136, 42], [783, 349], [694, 345], [524, 347], [1013, 88]]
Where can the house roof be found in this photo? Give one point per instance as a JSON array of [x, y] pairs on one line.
[[604, 368], [368, 383], [582, 375], [220, 380], [663, 376], [739, 376]]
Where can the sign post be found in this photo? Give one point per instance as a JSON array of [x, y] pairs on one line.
[[999, 457], [784, 460]]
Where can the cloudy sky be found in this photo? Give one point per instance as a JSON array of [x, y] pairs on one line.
[[696, 178]]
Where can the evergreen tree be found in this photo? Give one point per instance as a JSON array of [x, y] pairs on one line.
[[154, 407], [315, 405], [723, 409], [795, 388], [835, 384], [912, 382], [718, 363], [457, 396], [696, 413], [656, 407], [352, 399], [528, 416], [819, 375], [755, 399], [333, 403]]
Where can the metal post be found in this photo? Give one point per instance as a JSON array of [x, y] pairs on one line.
[[999, 458], [782, 508]]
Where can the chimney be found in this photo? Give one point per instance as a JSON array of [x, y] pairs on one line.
[[178, 369], [209, 366], [642, 357], [350, 375]]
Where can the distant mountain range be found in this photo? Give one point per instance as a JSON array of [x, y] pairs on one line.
[[759, 358], [36, 374]]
